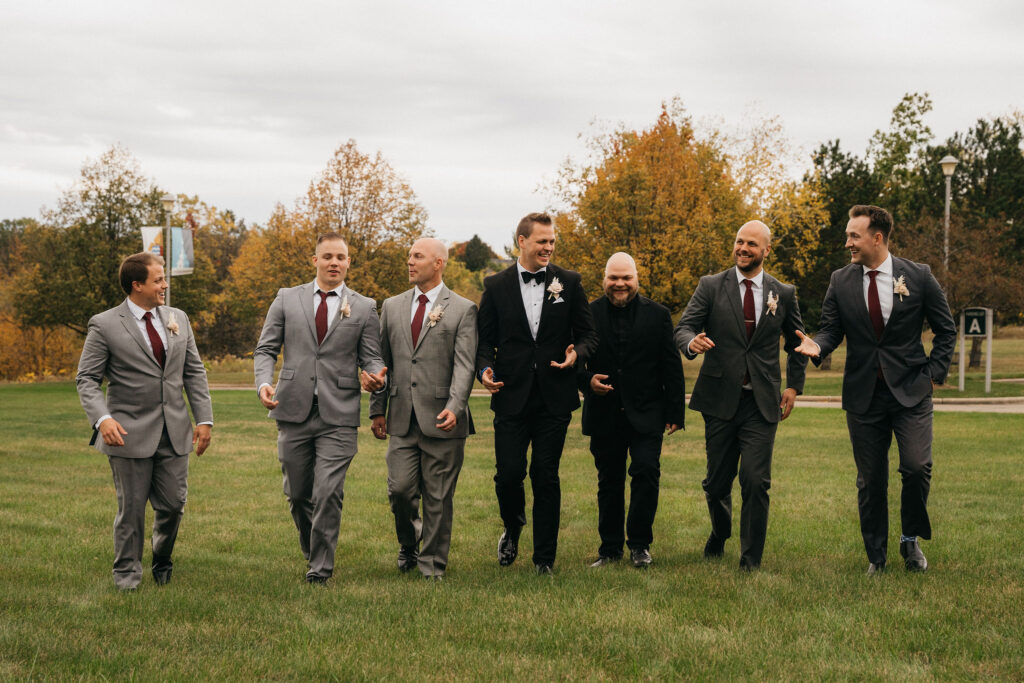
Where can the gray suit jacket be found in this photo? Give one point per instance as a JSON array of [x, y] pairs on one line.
[[141, 395], [436, 374], [716, 309], [907, 370], [333, 367]]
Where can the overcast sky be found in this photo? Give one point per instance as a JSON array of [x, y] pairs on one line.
[[475, 103]]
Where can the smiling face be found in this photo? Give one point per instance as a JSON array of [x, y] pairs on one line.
[[620, 279], [752, 245], [150, 294], [332, 262], [426, 263], [535, 251], [867, 247]]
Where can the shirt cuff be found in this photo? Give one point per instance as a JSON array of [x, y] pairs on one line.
[[204, 423], [100, 421]]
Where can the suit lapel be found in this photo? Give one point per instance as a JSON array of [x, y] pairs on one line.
[[546, 303], [515, 293], [768, 285], [305, 294], [338, 318], [400, 318], [897, 309], [730, 290], [172, 339], [855, 286], [131, 326], [442, 301]]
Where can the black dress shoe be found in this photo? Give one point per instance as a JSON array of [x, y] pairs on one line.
[[544, 569], [912, 555], [605, 559], [316, 580], [749, 565], [162, 566], [641, 557], [876, 568], [162, 578], [715, 547], [407, 557], [508, 548]]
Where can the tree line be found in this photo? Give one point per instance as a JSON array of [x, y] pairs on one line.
[[672, 194]]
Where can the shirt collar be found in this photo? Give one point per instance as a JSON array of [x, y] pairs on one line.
[[138, 311], [338, 289], [757, 279], [885, 268], [431, 294], [524, 270]]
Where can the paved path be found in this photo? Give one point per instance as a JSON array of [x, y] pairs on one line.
[[1008, 404]]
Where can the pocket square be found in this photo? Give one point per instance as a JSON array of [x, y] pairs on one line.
[[559, 300]]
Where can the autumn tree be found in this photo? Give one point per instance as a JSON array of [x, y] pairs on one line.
[[661, 194], [357, 195], [475, 254]]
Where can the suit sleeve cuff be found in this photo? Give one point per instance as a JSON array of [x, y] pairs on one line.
[[100, 421]]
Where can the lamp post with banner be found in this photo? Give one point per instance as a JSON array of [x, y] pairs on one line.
[[168, 201]]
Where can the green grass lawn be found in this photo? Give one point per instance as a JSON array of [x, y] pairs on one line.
[[238, 607]]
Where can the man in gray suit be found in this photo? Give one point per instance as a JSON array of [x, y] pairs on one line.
[[148, 355], [428, 340], [328, 332], [735, 318], [879, 303]]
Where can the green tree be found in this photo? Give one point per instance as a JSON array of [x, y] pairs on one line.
[[476, 255]]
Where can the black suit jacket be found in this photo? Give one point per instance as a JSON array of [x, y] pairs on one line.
[[906, 369], [506, 345], [648, 386], [716, 309]]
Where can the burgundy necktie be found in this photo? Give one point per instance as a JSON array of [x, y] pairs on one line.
[[154, 338], [321, 316], [748, 309], [874, 307], [417, 320]]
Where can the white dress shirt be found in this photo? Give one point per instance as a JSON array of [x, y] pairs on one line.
[[431, 298], [333, 302], [757, 291], [533, 298], [883, 283]]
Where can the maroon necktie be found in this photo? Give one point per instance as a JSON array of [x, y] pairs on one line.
[[154, 338], [748, 309], [874, 307], [321, 316], [417, 320]]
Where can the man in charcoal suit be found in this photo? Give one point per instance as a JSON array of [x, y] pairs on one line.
[[428, 340], [534, 325], [632, 397], [879, 303], [328, 332], [736, 318], [147, 353]]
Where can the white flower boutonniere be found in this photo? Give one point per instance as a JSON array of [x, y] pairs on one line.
[[435, 315], [773, 302], [555, 289], [172, 324], [899, 286], [346, 309]]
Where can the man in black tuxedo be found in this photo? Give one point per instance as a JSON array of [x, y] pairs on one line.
[[879, 304], [632, 396], [736, 318], [534, 325]]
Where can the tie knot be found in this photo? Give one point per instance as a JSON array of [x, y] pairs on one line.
[[748, 283], [422, 298], [872, 274], [147, 315], [324, 295]]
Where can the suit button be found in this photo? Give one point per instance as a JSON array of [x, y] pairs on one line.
[[414, 361], [414, 383], [312, 379]]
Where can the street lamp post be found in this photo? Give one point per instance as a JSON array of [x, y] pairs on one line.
[[948, 164], [168, 201]]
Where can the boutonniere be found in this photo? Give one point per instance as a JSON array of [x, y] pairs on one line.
[[435, 315], [899, 286], [172, 324], [555, 289], [773, 302], [346, 309]]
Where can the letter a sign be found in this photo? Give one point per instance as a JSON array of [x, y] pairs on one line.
[[975, 322]]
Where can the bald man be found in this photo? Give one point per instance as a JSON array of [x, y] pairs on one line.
[[632, 398], [735, 318], [428, 341]]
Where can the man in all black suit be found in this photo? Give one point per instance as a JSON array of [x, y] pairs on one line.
[[735, 318], [879, 303], [534, 325], [633, 395]]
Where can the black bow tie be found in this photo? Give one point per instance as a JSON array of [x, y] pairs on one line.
[[538, 276]]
